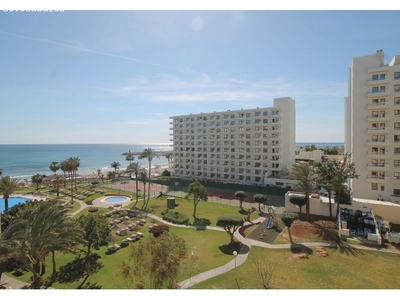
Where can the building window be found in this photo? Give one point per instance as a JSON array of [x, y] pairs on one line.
[[382, 89], [397, 138], [375, 89], [382, 76], [397, 112], [396, 175], [374, 186], [397, 151], [396, 192], [396, 163], [396, 125], [396, 75], [375, 77], [397, 87], [396, 100]]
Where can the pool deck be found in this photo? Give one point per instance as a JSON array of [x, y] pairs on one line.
[[101, 202]]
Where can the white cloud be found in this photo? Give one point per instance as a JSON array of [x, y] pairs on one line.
[[197, 24]]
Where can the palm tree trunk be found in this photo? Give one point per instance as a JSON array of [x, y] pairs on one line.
[[308, 206], [194, 209], [330, 203], [53, 258], [37, 279], [5, 203], [137, 188], [148, 187]]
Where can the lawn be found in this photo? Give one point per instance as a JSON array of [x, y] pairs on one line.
[[208, 249], [351, 269], [207, 211]]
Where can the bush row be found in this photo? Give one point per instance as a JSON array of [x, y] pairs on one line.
[[174, 217]]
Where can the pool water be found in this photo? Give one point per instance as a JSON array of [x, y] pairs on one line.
[[115, 199], [12, 201]]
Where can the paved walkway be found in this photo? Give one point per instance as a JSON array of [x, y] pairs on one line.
[[11, 283]]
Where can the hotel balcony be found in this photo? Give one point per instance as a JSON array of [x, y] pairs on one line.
[[378, 94], [375, 82], [378, 155], [377, 130], [378, 118], [385, 142], [378, 106], [377, 167], [377, 179]]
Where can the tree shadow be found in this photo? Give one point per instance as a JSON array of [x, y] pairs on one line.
[[347, 248], [88, 286], [229, 248], [243, 212], [300, 248], [76, 269]]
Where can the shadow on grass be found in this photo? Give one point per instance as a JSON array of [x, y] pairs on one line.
[[229, 248], [88, 286], [243, 212], [300, 248], [76, 269]]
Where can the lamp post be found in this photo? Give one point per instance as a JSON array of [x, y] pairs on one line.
[[235, 253]]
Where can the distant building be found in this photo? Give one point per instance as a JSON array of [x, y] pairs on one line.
[[372, 126], [252, 146]]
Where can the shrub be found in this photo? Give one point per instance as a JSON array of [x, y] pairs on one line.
[[175, 217], [159, 229], [166, 173], [93, 209]]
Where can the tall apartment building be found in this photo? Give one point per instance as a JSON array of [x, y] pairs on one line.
[[372, 126], [242, 146]]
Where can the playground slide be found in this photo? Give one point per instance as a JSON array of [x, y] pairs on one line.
[[269, 222]]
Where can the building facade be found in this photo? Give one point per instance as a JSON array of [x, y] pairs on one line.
[[241, 146], [372, 126]]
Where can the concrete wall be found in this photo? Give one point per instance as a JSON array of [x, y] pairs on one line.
[[318, 206]]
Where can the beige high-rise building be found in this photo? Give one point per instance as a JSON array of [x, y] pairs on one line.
[[372, 126], [252, 146]]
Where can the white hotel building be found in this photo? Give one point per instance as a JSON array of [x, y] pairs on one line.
[[252, 146], [372, 126]]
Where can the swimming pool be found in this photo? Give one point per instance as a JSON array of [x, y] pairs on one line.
[[12, 201], [116, 199]]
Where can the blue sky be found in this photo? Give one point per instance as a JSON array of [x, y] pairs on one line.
[[117, 76]]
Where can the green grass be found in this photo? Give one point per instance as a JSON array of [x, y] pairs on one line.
[[208, 247], [340, 270], [351, 269], [205, 210]]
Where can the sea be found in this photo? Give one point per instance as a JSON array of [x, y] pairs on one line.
[[24, 161]]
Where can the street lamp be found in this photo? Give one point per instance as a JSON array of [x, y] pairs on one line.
[[235, 253]]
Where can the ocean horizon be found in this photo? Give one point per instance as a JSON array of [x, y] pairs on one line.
[[22, 161]]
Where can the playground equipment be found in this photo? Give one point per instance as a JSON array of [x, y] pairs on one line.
[[269, 222]]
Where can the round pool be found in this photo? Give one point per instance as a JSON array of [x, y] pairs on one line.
[[12, 201], [116, 199]]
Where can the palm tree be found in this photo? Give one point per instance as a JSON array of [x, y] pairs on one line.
[[169, 156], [54, 167], [135, 169], [306, 175], [48, 228], [129, 156], [64, 169], [75, 161], [8, 186], [149, 154], [115, 165], [57, 182], [37, 179], [143, 178], [71, 165], [1, 172]]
